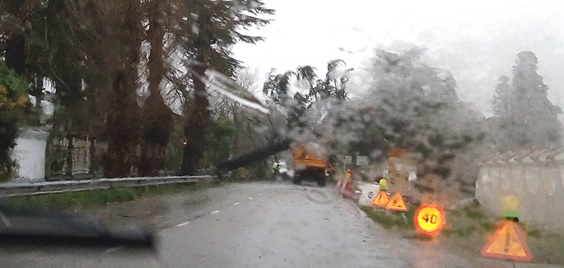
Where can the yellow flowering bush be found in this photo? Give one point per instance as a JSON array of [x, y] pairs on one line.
[[13, 99]]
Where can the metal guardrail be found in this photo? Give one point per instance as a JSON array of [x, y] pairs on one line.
[[10, 189]]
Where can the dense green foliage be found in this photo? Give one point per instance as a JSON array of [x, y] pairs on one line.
[[13, 99], [97, 57]]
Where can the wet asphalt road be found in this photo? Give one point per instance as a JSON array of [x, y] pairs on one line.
[[274, 225], [260, 225]]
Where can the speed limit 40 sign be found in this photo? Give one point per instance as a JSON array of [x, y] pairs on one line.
[[429, 220]]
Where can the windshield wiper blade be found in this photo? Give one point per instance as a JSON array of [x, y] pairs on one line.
[[21, 225], [122, 238]]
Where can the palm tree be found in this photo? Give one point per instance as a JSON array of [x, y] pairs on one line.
[[334, 86]]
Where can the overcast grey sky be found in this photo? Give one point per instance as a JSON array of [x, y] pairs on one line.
[[476, 40]]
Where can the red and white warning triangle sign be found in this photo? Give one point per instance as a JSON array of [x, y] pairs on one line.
[[381, 199], [396, 203], [508, 242]]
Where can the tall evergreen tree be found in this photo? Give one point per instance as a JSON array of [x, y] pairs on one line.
[[157, 117], [112, 46], [212, 28], [524, 116], [503, 98]]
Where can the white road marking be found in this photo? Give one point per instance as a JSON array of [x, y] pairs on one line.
[[182, 224], [215, 212], [236, 204], [113, 249], [260, 194], [250, 198], [5, 220]]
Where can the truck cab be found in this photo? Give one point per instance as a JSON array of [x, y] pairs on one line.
[[310, 163]]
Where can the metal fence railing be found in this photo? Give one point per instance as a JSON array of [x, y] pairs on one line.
[[44, 187]]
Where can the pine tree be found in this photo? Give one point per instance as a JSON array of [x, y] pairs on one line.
[[503, 99], [524, 116], [213, 27]]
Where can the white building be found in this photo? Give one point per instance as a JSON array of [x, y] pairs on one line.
[[29, 153]]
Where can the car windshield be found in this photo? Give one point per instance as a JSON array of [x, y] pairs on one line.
[[263, 133]]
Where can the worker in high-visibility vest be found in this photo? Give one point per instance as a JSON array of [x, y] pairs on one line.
[[276, 169], [343, 178], [383, 184], [348, 191], [510, 208]]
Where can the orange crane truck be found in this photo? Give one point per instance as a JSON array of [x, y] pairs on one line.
[[310, 163]]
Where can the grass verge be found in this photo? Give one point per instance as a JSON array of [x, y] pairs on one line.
[[93, 198], [467, 230], [391, 219]]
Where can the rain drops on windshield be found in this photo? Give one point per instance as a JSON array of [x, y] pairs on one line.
[[150, 110]]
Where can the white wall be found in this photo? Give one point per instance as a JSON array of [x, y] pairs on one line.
[[537, 185], [30, 154]]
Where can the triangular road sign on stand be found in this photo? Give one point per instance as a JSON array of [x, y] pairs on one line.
[[508, 242], [381, 199], [396, 203]]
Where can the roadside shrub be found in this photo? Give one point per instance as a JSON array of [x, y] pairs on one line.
[[13, 99]]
